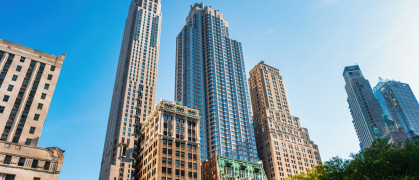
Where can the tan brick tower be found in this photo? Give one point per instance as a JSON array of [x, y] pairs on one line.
[[283, 145], [169, 144]]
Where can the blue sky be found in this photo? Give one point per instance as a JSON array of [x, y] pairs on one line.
[[310, 41]]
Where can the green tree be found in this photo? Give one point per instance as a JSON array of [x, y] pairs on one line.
[[381, 161]]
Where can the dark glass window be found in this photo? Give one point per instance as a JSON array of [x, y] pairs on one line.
[[1, 109], [28, 142], [32, 130], [7, 160], [36, 117], [49, 76], [43, 95], [47, 165], [14, 78], [10, 177], [10, 88], [21, 161], [40, 106], [18, 68], [6, 98], [34, 164]]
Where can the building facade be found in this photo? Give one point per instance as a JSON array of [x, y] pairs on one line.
[[365, 108], [224, 168], [27, 82], [283, 145], [210, 77], [19, 161], [134, 90], [398, 100], [169, 144]]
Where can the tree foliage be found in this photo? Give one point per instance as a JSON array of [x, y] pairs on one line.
[[382, 161]]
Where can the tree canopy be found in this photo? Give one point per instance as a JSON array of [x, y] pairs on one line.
[[382, 161]]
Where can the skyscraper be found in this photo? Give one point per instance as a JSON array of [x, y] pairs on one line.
[[398, 100], [284, 147], [27, 82], [135, 88], [210, 77], [365, 108]]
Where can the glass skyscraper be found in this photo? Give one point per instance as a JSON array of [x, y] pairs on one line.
[[365, 108], [210, 77], [398, 100]]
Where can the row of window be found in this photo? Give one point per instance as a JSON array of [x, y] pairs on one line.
[[21, 163], [13, 177]]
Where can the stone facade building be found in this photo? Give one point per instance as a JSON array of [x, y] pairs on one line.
[[224, 168], [27, 82], [134, 91], [169, 144], [283, 145]]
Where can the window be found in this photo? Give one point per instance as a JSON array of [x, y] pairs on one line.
[[40, 105], [14, 78], [36, 117], [7, 159], [46, 87], [49, 76], [47, 165], [1, 109], [10, 177], [43, 96], [28, 142], [18, 68], [32, 130], [34, 164], [52, 68], [22, 59], [21, 161], [10, 88], [6, 98], [36, 178]]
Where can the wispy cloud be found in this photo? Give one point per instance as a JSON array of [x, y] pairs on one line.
[[327, 2], [270, 31]]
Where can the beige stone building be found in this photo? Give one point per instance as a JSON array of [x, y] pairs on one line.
[[283, 145], [134, 91], [169, 144], [27, 82]]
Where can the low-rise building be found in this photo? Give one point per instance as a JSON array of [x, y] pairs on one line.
[[18, 161], [224, 168], [169, 147]]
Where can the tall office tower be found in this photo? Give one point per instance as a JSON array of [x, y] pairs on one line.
[[27, 82], [283, 145], [365, 108], [398, 100], [169, 147], [135, 88], [210, 77]]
